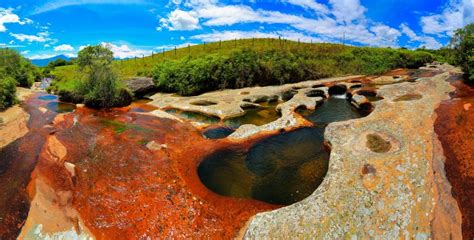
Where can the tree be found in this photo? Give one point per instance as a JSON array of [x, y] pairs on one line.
[[93, 57], [463, 45], [14, 65], [100, 87]]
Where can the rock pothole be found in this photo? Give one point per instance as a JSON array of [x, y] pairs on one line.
[[316, 93], [203, 103], [377, 143], [338, 89]]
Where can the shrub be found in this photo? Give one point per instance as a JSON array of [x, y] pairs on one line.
[[463, 45], [100, 87], [7, 92]]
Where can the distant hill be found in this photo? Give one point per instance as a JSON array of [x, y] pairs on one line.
[[44, 62]]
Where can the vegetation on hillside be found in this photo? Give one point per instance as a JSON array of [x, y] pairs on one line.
[[14, 71], [234, 64], [248, 67]]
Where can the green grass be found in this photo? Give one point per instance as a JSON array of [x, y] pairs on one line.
[[320, 60]]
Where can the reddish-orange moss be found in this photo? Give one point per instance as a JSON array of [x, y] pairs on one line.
[[123, 190], [455, 129]]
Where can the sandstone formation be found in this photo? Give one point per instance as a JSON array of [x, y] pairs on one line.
[[386, 176]]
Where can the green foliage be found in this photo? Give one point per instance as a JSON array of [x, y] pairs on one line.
[[94, 57], [7, 92], [100, 87], [463, 45], [248, 67], [21, 70]]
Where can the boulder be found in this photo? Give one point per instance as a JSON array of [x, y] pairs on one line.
[[140, 86]]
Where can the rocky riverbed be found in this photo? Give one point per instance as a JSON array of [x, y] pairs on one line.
[[133, 172]]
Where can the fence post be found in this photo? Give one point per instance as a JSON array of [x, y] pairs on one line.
[[163, 52], [189, 49], [175, 53], [235, 43], [220, 42]]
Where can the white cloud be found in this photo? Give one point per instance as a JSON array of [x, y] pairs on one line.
[[456, 14], [385, 35], [347, 10], [63, 47], [124, 51], [29, 38], [7, 16], [344, 18], [309, 4], [180, 20], [57, 4], [425, 41]]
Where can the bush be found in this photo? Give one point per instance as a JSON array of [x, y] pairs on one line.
[[7, 92], [101, 90], [100, 87]]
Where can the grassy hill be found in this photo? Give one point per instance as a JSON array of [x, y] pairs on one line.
[[275, 58]]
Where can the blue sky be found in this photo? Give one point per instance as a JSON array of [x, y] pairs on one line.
[[45, 28]]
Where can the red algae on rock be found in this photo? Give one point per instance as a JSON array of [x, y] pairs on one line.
[[455, 129], [17, 161], [124, 190]]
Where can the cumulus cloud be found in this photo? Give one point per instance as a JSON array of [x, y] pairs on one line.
[[347, 10], [455, 15], [339, 18], [123, 51], [63, 48], [7, 16], [180, 20]]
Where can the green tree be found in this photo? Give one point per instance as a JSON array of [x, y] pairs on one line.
[[100, 87], [463, 45], [14, 65]]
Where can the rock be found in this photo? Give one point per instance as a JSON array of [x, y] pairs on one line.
[[387, 80], [13, 125], [384, 179], [140, 86], [56, 151], [359, 100], [154, 146], [42, 109], [467, 106], [71, 168], [163, 114]]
